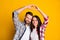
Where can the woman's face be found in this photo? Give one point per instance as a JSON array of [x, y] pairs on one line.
[[35, 21]]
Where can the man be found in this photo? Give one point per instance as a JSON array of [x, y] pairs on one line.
[[22, 28]]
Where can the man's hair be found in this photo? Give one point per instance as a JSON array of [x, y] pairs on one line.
[[30, 13]]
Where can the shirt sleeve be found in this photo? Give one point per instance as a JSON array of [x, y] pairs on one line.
[[45, 22], [16, 20], [44, 25]]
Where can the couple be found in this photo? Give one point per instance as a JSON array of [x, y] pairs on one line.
[[32, 28]]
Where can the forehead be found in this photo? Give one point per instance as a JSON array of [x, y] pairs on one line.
[[34, 18], [29, 16]]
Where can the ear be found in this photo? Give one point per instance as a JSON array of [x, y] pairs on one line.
[[24, 17]]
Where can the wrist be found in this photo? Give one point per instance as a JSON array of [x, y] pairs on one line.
[[25, 7]]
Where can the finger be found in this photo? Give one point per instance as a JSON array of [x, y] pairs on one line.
[[32, 5]]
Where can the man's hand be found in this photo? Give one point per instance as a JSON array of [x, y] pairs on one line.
[[32, 5], [29, 6]]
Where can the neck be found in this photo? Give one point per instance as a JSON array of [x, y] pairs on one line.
[[26, 25], [35, 26]]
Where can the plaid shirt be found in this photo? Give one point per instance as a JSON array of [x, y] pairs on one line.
[[42, 28], [19, 26]]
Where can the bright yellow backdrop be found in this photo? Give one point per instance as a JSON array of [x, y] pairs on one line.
[[50, 7]]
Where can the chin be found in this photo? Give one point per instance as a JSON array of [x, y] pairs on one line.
[[27, 22]]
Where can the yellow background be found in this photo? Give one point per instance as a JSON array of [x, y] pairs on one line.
[[50, 7]]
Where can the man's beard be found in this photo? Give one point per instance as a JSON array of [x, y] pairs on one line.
[[26, 22]]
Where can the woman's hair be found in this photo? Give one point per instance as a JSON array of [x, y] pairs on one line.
[[38, 26]]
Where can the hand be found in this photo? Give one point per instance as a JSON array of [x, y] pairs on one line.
[[36, 8], [30, 6]]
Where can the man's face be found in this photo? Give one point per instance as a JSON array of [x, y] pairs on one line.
[[28, 19]]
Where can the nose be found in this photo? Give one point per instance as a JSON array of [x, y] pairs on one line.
[[33, 21]]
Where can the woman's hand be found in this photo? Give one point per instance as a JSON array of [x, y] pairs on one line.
[[37, 8]]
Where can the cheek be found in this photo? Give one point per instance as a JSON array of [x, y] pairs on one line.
[[26, 19], [29, 20], [35, 22], [32, 22]]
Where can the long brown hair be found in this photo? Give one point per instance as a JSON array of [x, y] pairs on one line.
[[38, 27]]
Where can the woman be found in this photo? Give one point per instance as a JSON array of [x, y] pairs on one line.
[[37, 27]]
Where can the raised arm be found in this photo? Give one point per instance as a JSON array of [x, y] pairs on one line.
[[44, 25], [44, 16], [15, 15]]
